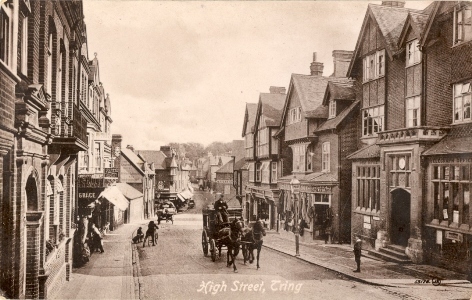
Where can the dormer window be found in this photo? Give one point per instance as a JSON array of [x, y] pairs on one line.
[[374, 65], [462, 24], [413, 53], [332, 109]]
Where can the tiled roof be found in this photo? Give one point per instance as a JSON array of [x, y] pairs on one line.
[[390, 21], [451, 145], [340, 89], [153, 156], [371, 151], [226, 168], [133, 158], [310, 90], [320, 177], [251, 109], [240, 164], [321, 112], [334, 122], [128, 191], [272, 106]]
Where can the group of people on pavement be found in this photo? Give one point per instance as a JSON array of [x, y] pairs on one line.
[[95, 239], [151, 232]]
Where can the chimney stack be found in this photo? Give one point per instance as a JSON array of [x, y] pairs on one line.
[[277, 90], [341, 61], [130, 147], [400, 4], [316, 68], [166, 150]]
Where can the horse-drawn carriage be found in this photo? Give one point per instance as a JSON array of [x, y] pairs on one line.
[[232, 236]]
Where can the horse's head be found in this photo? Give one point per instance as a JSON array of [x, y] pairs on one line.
[[237, 227]]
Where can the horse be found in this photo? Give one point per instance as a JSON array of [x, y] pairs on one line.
[[230, 237], [253, 238]]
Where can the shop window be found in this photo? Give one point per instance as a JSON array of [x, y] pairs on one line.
[[368, 187]]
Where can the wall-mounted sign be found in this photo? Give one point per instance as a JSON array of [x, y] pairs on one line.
[[320, 189], [88, 195], [111, 173], [454, 236], [86, 181]]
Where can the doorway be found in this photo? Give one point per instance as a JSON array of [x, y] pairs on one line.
[[400, 229]]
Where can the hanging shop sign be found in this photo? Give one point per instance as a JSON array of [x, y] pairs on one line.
[[455, 236], [111, 173]]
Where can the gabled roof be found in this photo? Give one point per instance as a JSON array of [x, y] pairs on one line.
[[334, 122], [128, 191], [249, 118], [371, 151], [240, 164], [310, 90], [227, 168], [153, 156], [339, 89], [390, 21], [415, 21], [433, 10], [134, 160], [270, 106]]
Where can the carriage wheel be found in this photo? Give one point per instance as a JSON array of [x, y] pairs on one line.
[[205, 243], [213, 249]]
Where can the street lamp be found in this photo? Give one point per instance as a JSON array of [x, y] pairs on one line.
[[295, 189]]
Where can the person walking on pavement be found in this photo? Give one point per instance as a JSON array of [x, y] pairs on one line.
[[97, 239], [357, 253], [150, 232], [221, 209]]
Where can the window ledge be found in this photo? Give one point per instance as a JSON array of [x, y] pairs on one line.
[[461, 122], [7, 70], [367, 211], [461, 44]]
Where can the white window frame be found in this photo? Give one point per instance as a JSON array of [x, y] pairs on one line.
[[413, 111], [6, 34], [374, 65], [332, 109], [24, 46], [325, 157], [252, 175], [265, 172], [413, 53], [462, 24], [258, 172], [462, 102], [273, 173], [373, 120]]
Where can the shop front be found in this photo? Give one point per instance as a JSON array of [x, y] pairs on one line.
[[261, 203]]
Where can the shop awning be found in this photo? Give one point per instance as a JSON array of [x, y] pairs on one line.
[[114, 195], [186, 194], [181, 197]]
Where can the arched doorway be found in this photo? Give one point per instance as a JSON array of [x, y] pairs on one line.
[[400, 228]]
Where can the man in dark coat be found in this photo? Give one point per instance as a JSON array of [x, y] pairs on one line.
[[357, 253], [221, 209], [150, 232]]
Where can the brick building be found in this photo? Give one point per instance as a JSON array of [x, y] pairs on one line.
[[42, 132], [317, 133], [411, 176], [261, 192]]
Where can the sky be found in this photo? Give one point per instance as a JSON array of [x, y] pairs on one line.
[[183, 71]]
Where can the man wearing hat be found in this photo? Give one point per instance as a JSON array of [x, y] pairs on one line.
[[220, 208]]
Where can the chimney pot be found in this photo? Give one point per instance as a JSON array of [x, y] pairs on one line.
[[316, 68], [394, 3]]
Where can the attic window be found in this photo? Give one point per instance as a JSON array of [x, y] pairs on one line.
[[332, 109], [374, 65], [462, 24]]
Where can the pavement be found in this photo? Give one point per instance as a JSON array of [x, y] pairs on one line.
[[340, 258], [109, 275]]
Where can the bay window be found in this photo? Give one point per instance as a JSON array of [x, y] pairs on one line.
[[265, 173], [462, 99], [413, 111], [372, 120], [299, 158], [325, 156], [6, 33], [258, 172], [273, 172]]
